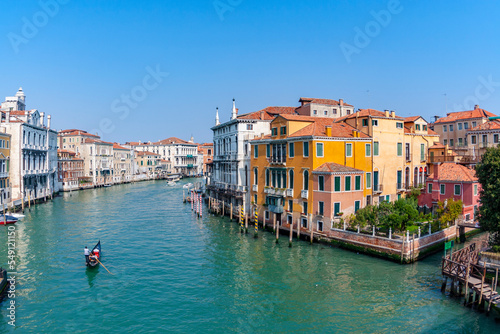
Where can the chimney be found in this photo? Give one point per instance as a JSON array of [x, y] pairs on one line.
[[328, 131], [7, 116], [386, 112], [261, 115], [48, 121], [42, 116], [355, 133], [341, 102], [436, 171], [393, 114], [476, 106], [436, 118]]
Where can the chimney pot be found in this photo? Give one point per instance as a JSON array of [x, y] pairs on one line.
[[48, 121], [328, 131], [386, 112], [476, 106], [393, 114]]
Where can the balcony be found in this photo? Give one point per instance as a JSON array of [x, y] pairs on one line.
[[408, 157], [255, 187], [400, 187], [4, 175], [269, 191], [278, 160], [378, 188], [289, 192], [276, 208], [304, 194], [319, 213]]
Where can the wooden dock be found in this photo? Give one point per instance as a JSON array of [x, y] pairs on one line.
[[464, 271]]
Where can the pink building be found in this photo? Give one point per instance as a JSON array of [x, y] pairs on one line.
[[336, 188], [451, 180]]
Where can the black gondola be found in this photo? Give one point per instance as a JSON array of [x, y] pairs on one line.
[[95, 253], [3, 280]]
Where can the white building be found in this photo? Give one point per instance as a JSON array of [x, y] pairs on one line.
[[231, 164], [33, 160]]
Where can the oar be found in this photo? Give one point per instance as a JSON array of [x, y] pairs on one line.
[[103, 266]]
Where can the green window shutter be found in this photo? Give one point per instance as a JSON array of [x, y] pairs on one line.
[[337, 183], [357, 179], [368, 180], [356, 206], [319, 149], [256, 151], [400, 149], [292, 150], [347, 183], [368, 150], [268, 150], [375, 148], [321, 183], [336, 209], [348, 150], [422, 152], [306, 149]]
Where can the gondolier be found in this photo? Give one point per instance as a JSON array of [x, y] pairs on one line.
[[86, 251]]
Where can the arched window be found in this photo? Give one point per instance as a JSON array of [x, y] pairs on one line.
[[290, 179], [306, 180], [415, 177]]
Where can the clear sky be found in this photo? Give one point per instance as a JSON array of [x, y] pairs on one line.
[[148, 70]]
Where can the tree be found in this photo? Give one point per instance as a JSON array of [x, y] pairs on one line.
[[449, 212], [488, 173], [367, 216]]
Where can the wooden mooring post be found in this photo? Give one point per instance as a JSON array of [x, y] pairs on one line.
[[223, 207], [277, 231], [231, 212], [291, 233]]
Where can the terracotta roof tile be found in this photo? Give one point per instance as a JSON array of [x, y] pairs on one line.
[[329, 102], [96, 141], [318, 128], [450, 171], [146, 153], [268, 113], [462, 115], [370, 112], [490, 125], [331, 167], [117, 146]]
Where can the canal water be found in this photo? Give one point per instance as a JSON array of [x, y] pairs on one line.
[[172, 272]]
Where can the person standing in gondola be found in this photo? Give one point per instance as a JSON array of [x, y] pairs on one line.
[[86, 251]]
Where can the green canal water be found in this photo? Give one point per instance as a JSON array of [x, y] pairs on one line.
[[175, 273]]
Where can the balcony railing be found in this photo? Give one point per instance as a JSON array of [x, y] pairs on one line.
[[304, 194], [269, 191], [319, 213], [281, 160], [289, 192], [401, 186], [441, 158], [279, 192], [4, 175], [378, 188], [276, 208]]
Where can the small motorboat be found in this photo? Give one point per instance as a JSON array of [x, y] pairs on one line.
[[19, 216], [95, 255], [107, 185], [7, 219], [187, 186], [170, 183]]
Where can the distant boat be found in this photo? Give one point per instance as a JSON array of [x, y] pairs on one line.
[[96, 251], [8, 219], [107, 185], [170, 183], [187, 186]]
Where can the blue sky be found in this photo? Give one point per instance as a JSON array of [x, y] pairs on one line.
[[81, 59]]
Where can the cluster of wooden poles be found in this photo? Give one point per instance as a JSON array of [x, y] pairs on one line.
[[219, 207]]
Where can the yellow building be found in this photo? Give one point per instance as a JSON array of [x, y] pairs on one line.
[[5, 191], [399, 150], [286, 167]]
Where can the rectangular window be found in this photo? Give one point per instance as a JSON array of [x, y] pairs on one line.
[[495, 138], [473, 124], [368, 180], [460, 142], [321, 183], [290, 205], [417, 127], [429, 188], [306, 149], [388, 198], [445, 142], [374, 122], [425, 127], [304, 208], [368, 150], [304, 222], [319, 150], [451, 142], [255, 198], [457, 189], [337, 184], [357, 182], [485, 138], [475, 190], [364, 122], [336, 208], [451, 127], [283, 130], [400, 149], [356, 206], [422, 152], [325, 112], [266, 215], [466, 125], [459, 126], [473, 139], [320, 226], [256, 151], [274, 131], [249, 126], [442, 189], [347, 184], [268, 150], [321, 207], [335, 111], [348, 150], [375, 148], [315, 112], [445, 128], [399, 125], [291, 150]]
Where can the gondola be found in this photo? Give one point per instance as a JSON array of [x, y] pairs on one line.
[[96, 251], [3, 280]]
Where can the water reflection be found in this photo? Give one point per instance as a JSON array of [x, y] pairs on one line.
[[91, 273]]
